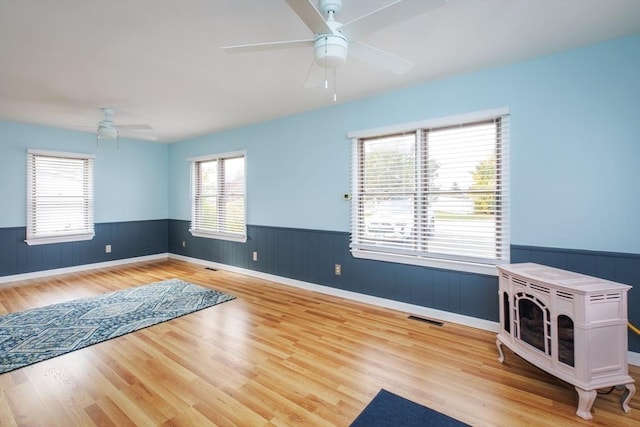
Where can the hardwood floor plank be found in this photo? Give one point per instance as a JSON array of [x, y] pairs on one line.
[[218, 401], [276, 356], [98, 416], [6, 413], [24, 404], [114, 412]]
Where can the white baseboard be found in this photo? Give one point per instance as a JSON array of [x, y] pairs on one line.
[[354, 296], [633, 358], [5, 280]]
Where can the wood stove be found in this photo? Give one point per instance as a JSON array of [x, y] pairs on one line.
[[571, 325]]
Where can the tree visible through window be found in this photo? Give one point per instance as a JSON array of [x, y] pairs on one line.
[[218, 197], [436, 192]]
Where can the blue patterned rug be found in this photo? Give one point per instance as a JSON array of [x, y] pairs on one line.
[[38, 334]]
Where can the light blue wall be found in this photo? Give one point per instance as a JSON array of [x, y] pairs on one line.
[[575, 149], [575, 153], [129, 184], [296, 171]]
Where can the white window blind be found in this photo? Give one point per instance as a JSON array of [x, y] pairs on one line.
[[59, 197], [433, 193], [218, 197]]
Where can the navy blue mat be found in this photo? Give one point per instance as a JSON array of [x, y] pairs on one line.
[[389, 410]]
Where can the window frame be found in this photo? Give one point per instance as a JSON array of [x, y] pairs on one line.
[[442, 262], [35, 238], [194, 198]]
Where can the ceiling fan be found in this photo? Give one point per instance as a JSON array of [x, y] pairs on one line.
[[107, 129], [332, 40]]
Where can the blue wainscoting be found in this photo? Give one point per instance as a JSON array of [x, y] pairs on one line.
[[310, 256], [127, 239]]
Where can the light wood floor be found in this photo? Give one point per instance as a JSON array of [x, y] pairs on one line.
[[275, 356]]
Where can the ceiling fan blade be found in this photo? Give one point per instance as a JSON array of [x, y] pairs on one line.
[[386, 16], [310, 16], [146, 137], [316, 76], [379, 58], [135, 135], [255, 47], [134, 127]]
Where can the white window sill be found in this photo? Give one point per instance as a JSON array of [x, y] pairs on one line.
[[242, 238], [32, 241], [468, 267]]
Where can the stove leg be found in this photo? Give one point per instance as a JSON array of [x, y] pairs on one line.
[[629, 391], [499, 345], [585, 401]]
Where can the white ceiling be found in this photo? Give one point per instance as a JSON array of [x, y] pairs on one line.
[[160, 62]]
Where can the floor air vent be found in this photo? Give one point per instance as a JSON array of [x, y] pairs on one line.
[[422, 319]]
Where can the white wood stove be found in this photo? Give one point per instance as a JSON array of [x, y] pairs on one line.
[[571, 325]]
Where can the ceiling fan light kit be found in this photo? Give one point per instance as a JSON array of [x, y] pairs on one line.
[[331, 50], [107, 133], [106, 127]]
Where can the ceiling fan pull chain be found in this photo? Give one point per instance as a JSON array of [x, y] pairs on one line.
[[326, 69], [335, 85]]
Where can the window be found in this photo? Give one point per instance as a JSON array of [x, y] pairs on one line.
[[59, 197], [433, 193], [218, 197]]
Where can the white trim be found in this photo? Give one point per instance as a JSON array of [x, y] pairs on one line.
[[446, 264], [59, 239], [242, 238], [60, 154], [5, 281], [437, 122], [229, 155], [86, 233], [473, 322], [194, 161], [418, 255]]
